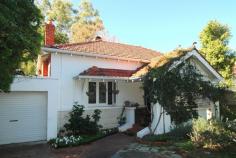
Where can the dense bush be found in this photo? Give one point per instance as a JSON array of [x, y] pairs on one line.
[[177, 132], [180, 131], [78, 124], [212, 134]]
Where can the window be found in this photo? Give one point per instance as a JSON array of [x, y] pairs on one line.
[[106, 91], [102, 92], [109, 93], [92, 93], [114, 92]]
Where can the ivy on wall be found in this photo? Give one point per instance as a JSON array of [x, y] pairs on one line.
[[177, 87]]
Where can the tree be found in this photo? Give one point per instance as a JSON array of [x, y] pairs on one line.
[[61, 12], [214, 40], [87, 23], [19, 36]]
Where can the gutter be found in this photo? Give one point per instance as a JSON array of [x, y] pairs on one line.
[[107, 78], [55, 50]]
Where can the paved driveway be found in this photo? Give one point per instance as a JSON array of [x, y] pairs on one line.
[[103, 148]]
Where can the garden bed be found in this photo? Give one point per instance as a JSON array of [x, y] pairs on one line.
[[70, 141]]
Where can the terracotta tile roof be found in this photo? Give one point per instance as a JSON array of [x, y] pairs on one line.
[[95, 71], [161, 60], [111, 49]]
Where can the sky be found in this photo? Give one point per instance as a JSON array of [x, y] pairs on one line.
[[163, 25]]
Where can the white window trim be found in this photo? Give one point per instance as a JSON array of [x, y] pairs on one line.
[[97, 95]]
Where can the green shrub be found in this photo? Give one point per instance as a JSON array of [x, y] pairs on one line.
[[212, 134], [180, 131], [177, 132], [186, 145], [157, 138], [231, 125], [68, 141], [77, 124]]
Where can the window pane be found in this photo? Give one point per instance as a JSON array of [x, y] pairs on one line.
[[114, 92], [92, 92], [109, 93], [102, 92]]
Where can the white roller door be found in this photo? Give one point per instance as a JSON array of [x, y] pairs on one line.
[[23, 117]]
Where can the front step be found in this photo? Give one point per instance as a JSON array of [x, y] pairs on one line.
[[133, 131]]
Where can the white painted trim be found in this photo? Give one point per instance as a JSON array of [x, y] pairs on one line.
[[212, 70], [100, 77], [92, 107], [35, 77], [201, 59], [92, 54]]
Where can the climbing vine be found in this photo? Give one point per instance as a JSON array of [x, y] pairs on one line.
[[177, 87]]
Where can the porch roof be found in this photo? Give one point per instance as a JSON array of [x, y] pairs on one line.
[[105, 73]]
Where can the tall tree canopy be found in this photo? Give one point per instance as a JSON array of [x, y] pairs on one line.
[[61, 12], [87, 23], [19, 37], [214, 40]]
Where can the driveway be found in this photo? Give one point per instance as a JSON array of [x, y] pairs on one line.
[[103, 148]]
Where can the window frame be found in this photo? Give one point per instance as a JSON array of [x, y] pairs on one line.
[[97, 101], [95, 93], [102, 103]]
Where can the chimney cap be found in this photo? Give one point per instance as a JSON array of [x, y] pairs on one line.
[[98, 38]]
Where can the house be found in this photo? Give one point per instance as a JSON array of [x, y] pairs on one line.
[[97, 74]]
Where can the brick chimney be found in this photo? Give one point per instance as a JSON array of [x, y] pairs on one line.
[[49, 34]]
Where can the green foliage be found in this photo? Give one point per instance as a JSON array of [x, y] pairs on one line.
[[177, 132], [181, 131], [20, 40], [227, 113], [177, 88], [214, 40], [157, 138], [29, 68], [186, 145], [77, 124], [87, 23], [68, 141], [212, 134], [61, 38], [60, 11]]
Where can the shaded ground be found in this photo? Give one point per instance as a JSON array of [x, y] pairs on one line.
[[103, 148], [115, 146]]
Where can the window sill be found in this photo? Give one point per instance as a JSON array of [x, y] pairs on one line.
[[92, 107]]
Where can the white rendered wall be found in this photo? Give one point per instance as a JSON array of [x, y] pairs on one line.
[[65, 67], [164, 123], [49, 85]]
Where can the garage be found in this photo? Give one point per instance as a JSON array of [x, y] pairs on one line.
[[23, 117]]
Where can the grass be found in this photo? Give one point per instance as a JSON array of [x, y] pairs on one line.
[[185, 145]]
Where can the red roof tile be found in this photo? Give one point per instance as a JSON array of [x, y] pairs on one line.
[[111, 49], [95, 71]]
